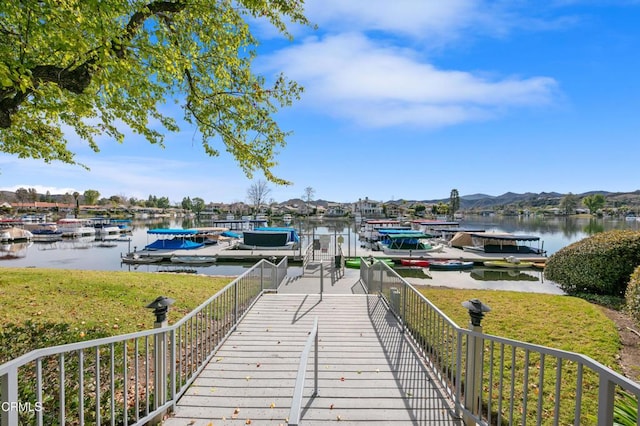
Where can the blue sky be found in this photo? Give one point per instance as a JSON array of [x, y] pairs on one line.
[[409, 99]]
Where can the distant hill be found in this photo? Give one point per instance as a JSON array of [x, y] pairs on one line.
[[467, 202], [528, 199]]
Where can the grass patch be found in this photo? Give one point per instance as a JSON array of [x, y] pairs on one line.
[[95, 299], [561, 322]]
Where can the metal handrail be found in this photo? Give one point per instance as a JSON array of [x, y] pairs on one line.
[[519, 382], [133, 378], [296, 403]]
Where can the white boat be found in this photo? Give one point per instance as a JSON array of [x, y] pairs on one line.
[[370, 229], [193, 260], [105, 227], [137, 259], [73, 228], [420, 250], [44, 231], [494, 242], [15, 234]]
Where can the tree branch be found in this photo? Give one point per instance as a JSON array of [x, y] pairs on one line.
[[77, 80]]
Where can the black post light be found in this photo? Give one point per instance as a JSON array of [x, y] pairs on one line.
[[476, 310], [160, 307]]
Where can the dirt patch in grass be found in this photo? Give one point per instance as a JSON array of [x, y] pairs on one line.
[[630, 339]]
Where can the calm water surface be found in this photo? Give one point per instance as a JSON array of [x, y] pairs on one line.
[[555, 233]]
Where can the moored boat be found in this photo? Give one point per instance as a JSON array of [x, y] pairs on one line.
[[15, 234], [74, 228], [410, 244], [193, 260], [270, 238], [450, 265], [140, 259], [44, 231], [103, 226], [355, 262], [172, 239], [510, 263], [494, 242], [423, 263]]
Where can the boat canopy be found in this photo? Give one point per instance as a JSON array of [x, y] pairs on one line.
[[293, 234], [506, 237], [408, 235], [387, 231], [172, 231], [173, 244], [436, 223]]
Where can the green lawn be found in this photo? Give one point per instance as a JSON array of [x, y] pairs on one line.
[[108, 300], [561, 322], [116, 301]]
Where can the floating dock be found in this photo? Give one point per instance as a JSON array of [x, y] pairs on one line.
[[228, 253]]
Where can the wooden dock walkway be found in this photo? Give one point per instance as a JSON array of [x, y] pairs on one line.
[[368, 371]]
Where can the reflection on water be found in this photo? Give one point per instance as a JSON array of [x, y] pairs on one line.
[[412, 272], [14, 250], [485, 274]]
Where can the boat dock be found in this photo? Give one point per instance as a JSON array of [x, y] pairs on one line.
[[227, 253], [368, 370]]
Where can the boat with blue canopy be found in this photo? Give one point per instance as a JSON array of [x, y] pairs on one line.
[[411, 244], [173, 239]]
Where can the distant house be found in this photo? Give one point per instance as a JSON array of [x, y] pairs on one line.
[[336, 210], [41, 206], [368, 208]]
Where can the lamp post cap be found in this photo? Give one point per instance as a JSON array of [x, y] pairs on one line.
[[161, 302], [476, 310], [476, 305]]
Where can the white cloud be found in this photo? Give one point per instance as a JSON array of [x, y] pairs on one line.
[[377, 84], [424, 19], [437, 23]]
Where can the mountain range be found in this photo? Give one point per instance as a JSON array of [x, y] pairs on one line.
[[468, 202], [528, 199]]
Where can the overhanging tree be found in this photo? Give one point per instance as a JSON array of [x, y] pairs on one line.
[[94, 66]]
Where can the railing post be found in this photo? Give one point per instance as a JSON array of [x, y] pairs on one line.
[[160, 308], [9, 397], [172, 367], [473, 377], [261, 276], [315, 360], [321, 280], [403, 301], [235, 302], [606, 393]]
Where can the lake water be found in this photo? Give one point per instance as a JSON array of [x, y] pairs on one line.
[[555, 233]]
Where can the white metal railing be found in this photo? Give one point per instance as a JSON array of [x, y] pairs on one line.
[[133, 378], [494, 380], [296, 403]]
